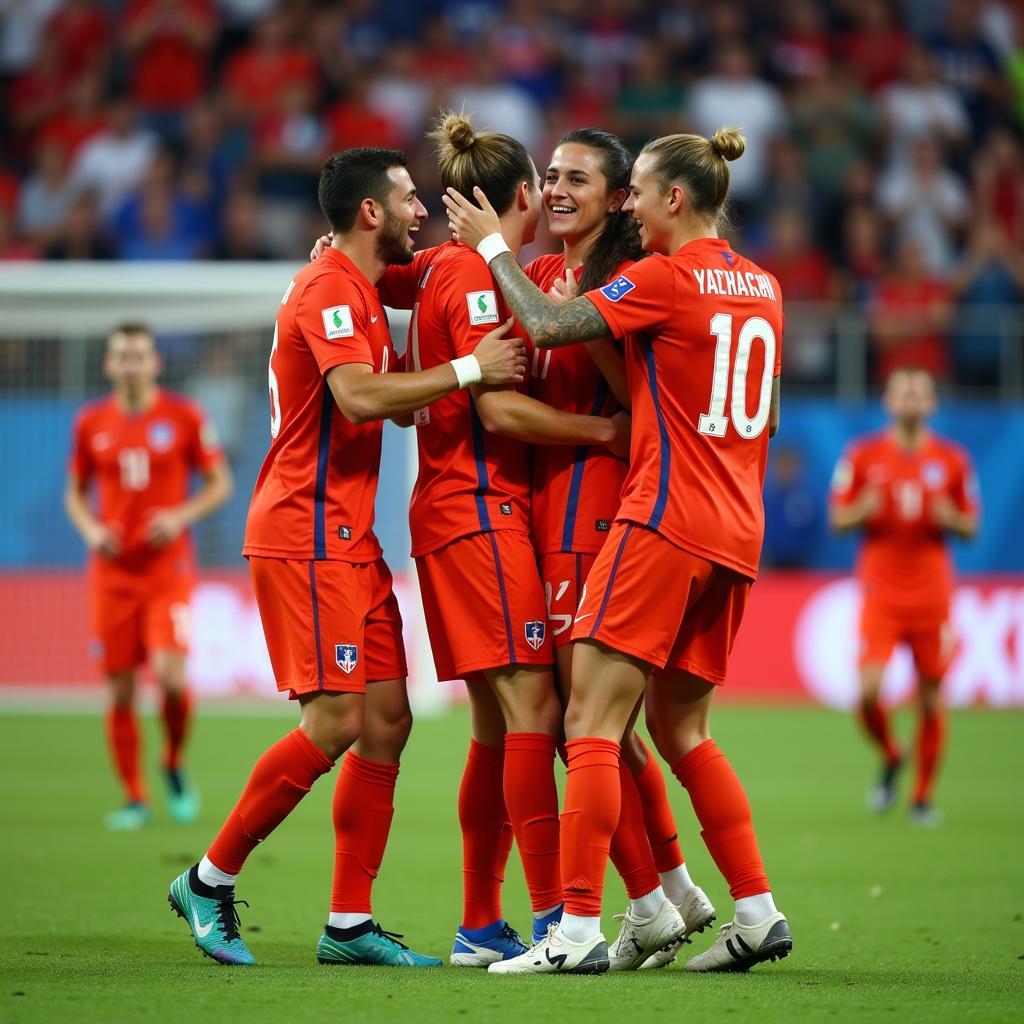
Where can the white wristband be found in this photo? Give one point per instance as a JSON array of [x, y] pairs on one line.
[[467, 371], [492, 246]]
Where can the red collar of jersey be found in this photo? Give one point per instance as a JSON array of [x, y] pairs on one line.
[[343, 262], [703, 243]]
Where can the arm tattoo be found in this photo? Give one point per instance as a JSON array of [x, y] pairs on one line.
[[548, 323]]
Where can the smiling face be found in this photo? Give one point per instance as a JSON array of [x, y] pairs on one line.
[[403, 212], [649, 206], [576, 195]]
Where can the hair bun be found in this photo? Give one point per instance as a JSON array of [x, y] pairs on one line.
[[459, 131], [728, 143]]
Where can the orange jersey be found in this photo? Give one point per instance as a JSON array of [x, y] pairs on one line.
[[904, 563], [315, 491], [706, 328], [576, 490], [141, 462], [469, 481]]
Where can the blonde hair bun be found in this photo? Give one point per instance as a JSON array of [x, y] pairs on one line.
[[728, 143], [458, 130]]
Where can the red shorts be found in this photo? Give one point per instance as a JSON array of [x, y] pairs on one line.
[[130, 622], [330, 626], [930, 639], [563, 576], [484, 604], [653, 600]]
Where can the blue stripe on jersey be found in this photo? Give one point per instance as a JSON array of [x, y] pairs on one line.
[[666, 454], [576, 483], [320, 494], [482, 483], [504, 601], [611, 578], [317, 643]]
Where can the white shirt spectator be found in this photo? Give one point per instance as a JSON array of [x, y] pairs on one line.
[[501, 108], [113, 166], [43, 206], [914, 113], [21, 22]]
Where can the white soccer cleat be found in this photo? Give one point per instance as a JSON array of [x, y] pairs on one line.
[[558, 954], [697, 913], [739, 947], [640, 937]]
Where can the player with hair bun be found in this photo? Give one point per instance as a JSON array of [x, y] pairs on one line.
[[703, 328]]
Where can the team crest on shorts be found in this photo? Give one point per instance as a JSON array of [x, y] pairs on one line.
[[161, 436], [536, 631], [347, 657]]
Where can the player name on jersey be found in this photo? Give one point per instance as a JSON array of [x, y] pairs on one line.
[[712, 281]]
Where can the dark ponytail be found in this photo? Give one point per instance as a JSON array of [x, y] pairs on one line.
[[620, 239]]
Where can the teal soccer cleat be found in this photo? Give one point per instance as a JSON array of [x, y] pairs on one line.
[[182, 797], [372, 947], [130, 818], [213, 919]]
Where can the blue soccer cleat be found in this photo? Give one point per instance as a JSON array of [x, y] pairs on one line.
[[540, 924], [374, 948], [481, 947], [213, 919]]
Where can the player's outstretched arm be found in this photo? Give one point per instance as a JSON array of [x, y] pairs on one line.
[[165, 524], [775, 410], [549, 323], [363, 395]]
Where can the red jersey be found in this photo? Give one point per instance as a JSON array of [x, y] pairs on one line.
[[904, 563], [141, 462], [315, 492], [706, 328], [469, 481], [575, 490]]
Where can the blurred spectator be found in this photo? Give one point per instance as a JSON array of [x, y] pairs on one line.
[[354, 121], [801, 54], [241, 229], [80, 237], [21, 27], [82, 33], [79, 119], [525, 41], [920, 105], [927, 202], [649, 101], [875, 48], [989, 286], [395, 94], [607, 40], [862, 255], [585, 102], [998, 180], [792, 510], [440, 57], [786, 187], [13, 247], [968, 64], [167, 42], [207, 162], [735, 96], [910, 316], [257, 75], [113, 162], [46, 196], [37, 95], [496, 104]]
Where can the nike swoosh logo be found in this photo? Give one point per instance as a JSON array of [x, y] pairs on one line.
[[374, 319], [580, 618], [201, 930]]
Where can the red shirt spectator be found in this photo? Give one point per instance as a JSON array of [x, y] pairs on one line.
[[82, 33], [79, 120], [352, 122], [876, 49], [168, 40], [802, 270]]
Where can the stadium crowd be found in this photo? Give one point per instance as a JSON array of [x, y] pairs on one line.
[[884, 167]]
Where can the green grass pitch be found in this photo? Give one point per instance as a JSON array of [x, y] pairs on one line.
[[890, 923]]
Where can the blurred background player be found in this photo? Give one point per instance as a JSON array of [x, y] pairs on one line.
[[576, 491], [907, 489], [140, 445], [701, 324], [329, 613]]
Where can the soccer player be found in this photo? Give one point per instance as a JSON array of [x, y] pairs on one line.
[[575, 493], [907, 489], [324, 593], [140, 445], [667, 591]]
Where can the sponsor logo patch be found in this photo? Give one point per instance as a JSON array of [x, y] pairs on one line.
[[615, 290], [161, 436], [506, 508], [603, 525], [344, 533], [536, 631], [347, 657], [483, 307], [338, 321]]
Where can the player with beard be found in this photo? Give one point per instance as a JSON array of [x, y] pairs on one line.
[[324, 593]]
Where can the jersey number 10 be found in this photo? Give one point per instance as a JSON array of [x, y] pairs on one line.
[[714, 422]]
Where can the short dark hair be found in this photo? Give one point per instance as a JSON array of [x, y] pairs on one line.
[[351, 176], [133, 327]]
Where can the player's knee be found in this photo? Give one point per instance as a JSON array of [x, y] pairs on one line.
[[333, 728], [929, 697], [122, 691], [634, 753]]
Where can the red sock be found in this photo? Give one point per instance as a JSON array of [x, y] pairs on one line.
[[931, 736], [593, 797], [630, 850], [363, 809], [660, 822], [279, 780], [876, 724], [532, 801], [123, 739], [177, 714], [723, 811], [486, 835]]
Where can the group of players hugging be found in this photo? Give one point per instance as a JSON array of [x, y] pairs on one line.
[[586, 526]]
